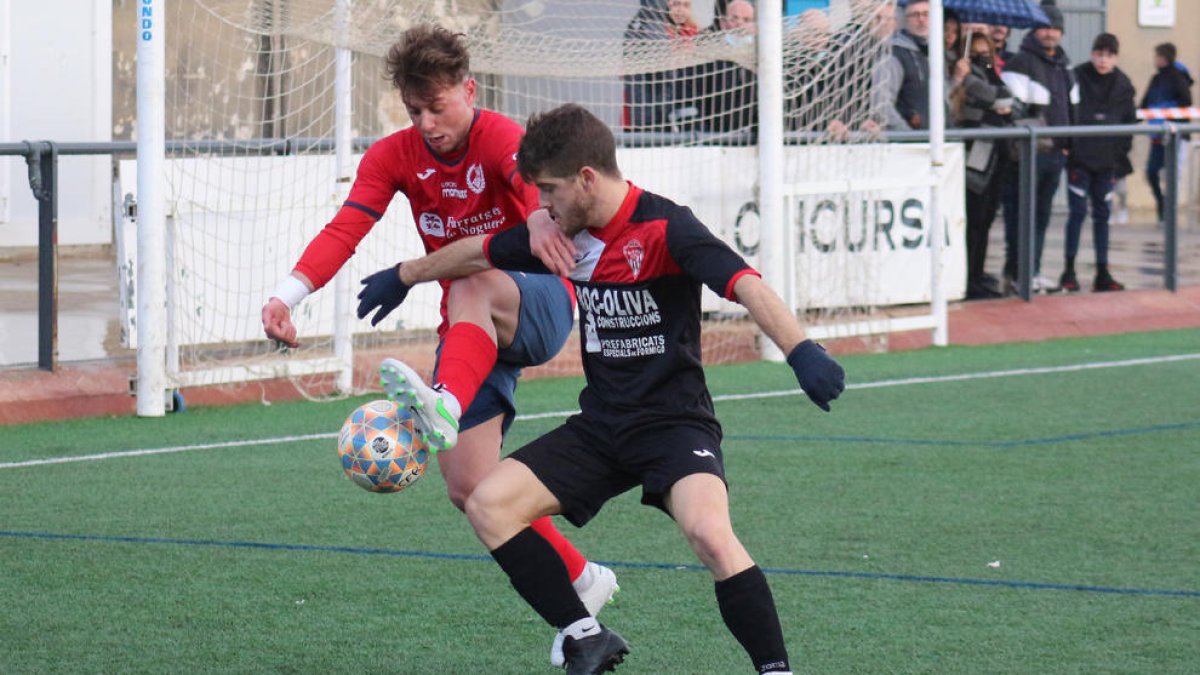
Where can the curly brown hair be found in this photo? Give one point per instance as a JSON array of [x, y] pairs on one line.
[[427, 57], [560, 142]]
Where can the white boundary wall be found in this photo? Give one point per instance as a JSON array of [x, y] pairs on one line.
[[887, 228]]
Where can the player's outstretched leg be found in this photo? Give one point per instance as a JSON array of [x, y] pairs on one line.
[[467, 356], [435, 410], [700, 505]]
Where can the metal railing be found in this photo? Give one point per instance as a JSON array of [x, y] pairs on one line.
[[42, 160], [1171, 134]]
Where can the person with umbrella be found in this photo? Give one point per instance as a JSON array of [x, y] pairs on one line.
[[1043, 86]]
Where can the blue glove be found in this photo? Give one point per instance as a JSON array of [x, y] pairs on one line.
[[818, 374], [384, 290]]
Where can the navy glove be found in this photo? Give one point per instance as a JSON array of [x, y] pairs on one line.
[[818, 374], [384, 290]]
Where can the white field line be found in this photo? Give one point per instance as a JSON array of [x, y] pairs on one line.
[[936, 379]]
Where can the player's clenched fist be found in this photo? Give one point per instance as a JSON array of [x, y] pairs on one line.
[[822, 378], [277, 322], [384, 290]]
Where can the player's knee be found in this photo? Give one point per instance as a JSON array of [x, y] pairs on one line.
[[461, 288], [458, 496], [475, 290], [712, 540], [484, 507]]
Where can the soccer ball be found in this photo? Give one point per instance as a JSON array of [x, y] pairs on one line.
[[379, 448]]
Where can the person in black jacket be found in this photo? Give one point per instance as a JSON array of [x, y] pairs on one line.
[[1169, 88], [1105, 97], [982, 100], [1042, 83], [729, 93]]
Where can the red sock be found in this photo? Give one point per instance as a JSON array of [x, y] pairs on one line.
[[468, 356], [570, 555]]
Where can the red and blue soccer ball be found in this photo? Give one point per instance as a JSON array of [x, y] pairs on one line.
[[380, 449]]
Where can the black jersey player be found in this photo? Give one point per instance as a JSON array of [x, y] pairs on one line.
[[646, 414]]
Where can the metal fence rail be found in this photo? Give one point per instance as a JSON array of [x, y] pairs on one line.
[[42, 160]]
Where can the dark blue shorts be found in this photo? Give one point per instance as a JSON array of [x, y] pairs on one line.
[[584, 464], [544, 322]]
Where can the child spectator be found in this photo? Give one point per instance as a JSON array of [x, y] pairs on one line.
[[1105, 97], [1169, 88]]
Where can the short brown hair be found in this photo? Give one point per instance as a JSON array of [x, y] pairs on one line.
[[426, 57], [560, 142]]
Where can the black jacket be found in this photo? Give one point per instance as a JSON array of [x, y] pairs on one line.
[[1169, 88], [1103, 100], [1043, 84]]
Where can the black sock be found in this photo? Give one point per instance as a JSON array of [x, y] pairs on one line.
[[541, 578], [749, 612], [1070, 264]]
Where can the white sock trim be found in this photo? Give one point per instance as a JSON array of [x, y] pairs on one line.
[[291, 291], [582, 628]]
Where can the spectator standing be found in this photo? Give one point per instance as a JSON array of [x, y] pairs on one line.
[[653, 99], [729, 100], [1169, 88], [806, 70], [1106, 96], [854, 102], [903, 80], [1043, 85], [982, 100]]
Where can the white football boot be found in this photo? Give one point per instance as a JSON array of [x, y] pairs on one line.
[[596, 587], [435, 411]]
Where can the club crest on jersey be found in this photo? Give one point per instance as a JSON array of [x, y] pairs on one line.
[[475, 179], [432, 225], [634, 254]]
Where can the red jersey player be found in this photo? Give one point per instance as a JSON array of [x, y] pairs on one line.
[[457, 167]]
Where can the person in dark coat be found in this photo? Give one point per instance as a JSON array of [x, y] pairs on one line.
[[1106, 96], [1169, 88], [902, 81], [729, 95], [654, 100], [982, 100], [1043, 85]]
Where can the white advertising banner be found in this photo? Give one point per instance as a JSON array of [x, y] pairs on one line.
[[859, 234], [859, 227]]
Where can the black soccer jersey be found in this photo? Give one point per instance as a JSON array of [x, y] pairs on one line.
[[638, 284]]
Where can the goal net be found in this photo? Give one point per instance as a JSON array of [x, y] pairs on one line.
[[252, 90]]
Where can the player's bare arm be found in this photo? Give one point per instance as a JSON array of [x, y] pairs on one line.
[[821, 378], [386, 289], [277, 313], [460, 259], [769, 312]]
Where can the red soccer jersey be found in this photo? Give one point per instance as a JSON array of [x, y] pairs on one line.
[[476, 192]]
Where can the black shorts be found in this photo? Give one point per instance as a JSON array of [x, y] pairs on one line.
[[584, 464]]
